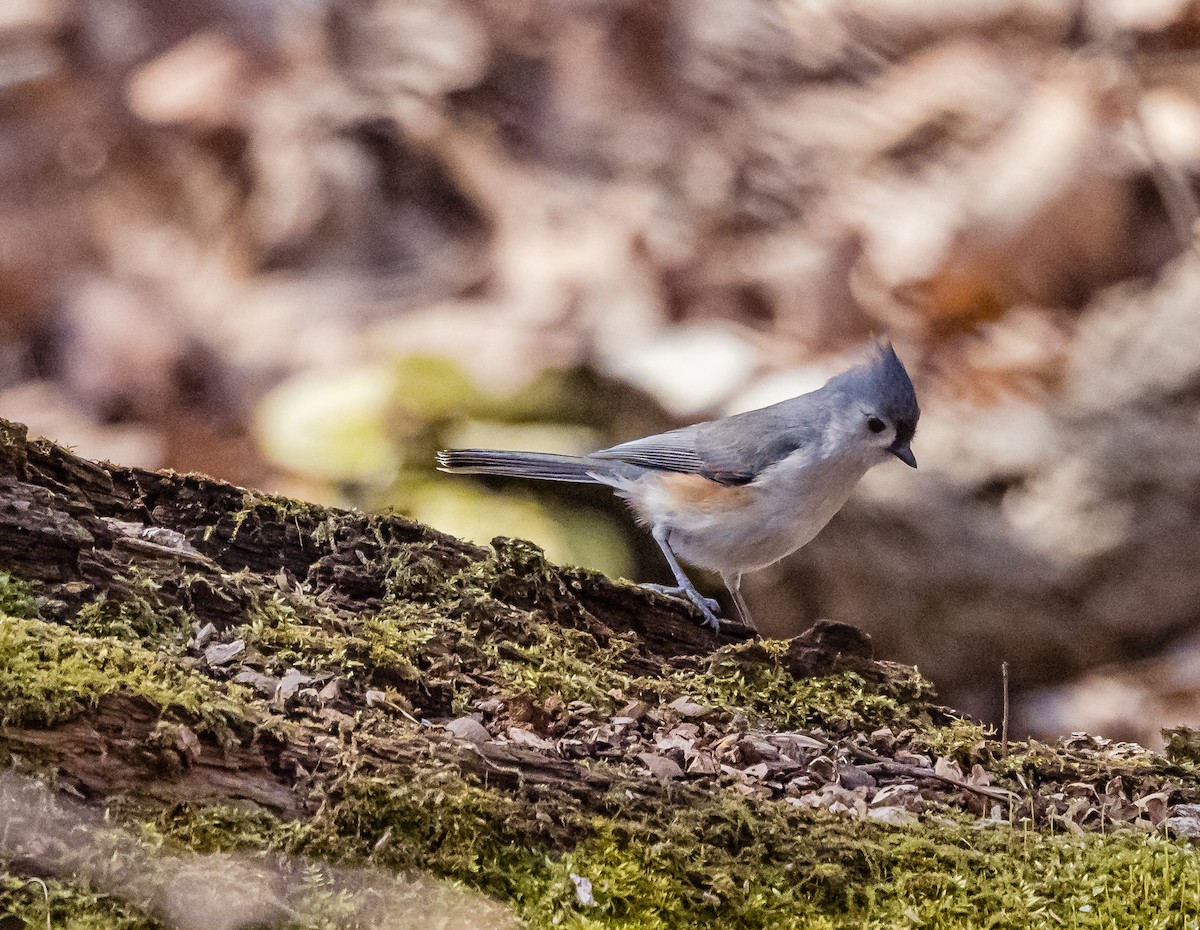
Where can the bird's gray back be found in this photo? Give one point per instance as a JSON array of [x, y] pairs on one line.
[[734, 450]]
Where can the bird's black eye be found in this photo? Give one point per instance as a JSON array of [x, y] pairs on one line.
[[876, 425]]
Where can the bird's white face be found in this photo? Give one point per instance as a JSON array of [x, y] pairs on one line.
[[862, 435], [875, 432], [867, 436]]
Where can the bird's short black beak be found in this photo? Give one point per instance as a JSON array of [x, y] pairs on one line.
[[904, 453]]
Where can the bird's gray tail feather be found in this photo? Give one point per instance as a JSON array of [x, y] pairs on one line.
[[542, 465]]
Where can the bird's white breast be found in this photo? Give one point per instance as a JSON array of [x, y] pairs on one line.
[[740, 529]]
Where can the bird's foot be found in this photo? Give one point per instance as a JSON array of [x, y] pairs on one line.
[[706, 605]]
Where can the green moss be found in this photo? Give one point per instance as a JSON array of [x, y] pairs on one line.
[[454, 639], [296, 632], [49, 674], [33, 904], [415, 574], [962, 740], [259, 507], [17, 598], [1183, 744], [440, 823], [131, 618], [215, 828], [450, 640], [566, 663], [702, 859], [754, 679]]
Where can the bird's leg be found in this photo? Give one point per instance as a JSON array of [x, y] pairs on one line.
[[678, 591], [734, 584], [684, 587]]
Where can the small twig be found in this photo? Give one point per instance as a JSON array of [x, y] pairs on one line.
[[891, 767], [1004, 718], [1171, 181], [1174, 191], [496, 766], [46, 893]]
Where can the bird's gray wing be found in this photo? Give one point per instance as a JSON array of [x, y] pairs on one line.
[[672, 451], [734, 450]]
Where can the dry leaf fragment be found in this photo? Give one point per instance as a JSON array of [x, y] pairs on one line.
[[660, 767], [187, 742], [1154, 806], [526, 738], [902, 795], [947, 768]]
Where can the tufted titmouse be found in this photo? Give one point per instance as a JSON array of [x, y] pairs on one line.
[[738, 494]]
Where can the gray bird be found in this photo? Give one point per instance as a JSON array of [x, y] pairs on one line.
[[738, 494]]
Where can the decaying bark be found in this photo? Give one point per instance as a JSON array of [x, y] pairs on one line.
[[83, 529], [367, 690]]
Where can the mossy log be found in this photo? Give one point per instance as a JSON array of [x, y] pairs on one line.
[[196, 679]]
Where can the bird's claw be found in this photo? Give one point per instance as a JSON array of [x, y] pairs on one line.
[[706, 605]]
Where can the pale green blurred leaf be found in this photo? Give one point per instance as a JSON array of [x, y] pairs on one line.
[[340, 426]]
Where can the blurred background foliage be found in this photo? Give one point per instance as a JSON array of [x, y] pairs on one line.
[[301, 246]]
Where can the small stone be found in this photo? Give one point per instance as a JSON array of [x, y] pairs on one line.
[[266, 685], [800, 785], [124, 527], [187, 742], [583, 890], [793, 742], [1184, 826], [979, 777], [331, 692], [1154, 806], [342, 723], [376, 698], [670, 741], [851, 777], [725, 746], [688, 708], [947, 768], [896, 816], [754, 749], [836, 799], [883, 739], [204, 636], [219, 654], [168, 539], [903, 795], [469, 729], [635, 710], [904, 757], [822, 767], [290, 684]]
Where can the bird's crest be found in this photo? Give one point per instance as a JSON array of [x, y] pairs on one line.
[[883, 380]]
